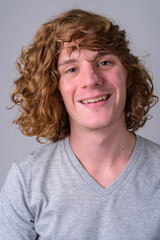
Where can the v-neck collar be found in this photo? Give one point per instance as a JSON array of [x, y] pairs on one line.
[[91, 181]]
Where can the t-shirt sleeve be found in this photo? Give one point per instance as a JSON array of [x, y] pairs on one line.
[[16, 219]]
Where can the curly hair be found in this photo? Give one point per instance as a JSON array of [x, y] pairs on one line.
[[42, 111]]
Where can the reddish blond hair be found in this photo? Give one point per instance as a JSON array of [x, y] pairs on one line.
[[43, 113]]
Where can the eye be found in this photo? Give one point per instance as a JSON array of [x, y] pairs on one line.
[[104, 63], [71, 70]]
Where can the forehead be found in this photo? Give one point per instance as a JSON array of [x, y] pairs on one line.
[[72, 51], [67, 55]]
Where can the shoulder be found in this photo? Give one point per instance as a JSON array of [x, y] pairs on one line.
[[34, 167], [150, 147], [41, 155], [149, 156]]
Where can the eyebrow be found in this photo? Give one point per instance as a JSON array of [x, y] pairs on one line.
[[65, 62], [104, 53], [99, 54]]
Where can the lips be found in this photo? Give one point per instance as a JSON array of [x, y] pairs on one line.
[[96, 99]]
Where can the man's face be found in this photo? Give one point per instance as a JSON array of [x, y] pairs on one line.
[[93, 88]]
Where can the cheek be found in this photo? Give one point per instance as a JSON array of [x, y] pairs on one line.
[[122, 80], [66, 90], [63, 88], [119, 82]]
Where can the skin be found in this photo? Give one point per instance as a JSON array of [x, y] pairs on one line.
[[93, 87]]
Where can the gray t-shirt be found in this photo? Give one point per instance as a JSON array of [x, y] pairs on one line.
[[48, 195]]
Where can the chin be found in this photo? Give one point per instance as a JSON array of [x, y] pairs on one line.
[[97, 125]]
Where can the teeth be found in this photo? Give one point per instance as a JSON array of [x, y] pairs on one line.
[[93, 100]]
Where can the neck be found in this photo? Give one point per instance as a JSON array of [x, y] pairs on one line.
[[108, 149]]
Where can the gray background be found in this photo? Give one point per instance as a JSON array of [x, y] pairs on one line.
[[19, 20]]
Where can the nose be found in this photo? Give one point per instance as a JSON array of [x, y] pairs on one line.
[[90, 77]]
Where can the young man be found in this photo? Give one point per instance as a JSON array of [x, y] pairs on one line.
[[81, 88]]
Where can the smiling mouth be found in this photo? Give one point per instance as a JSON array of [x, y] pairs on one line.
[[95, 100]]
